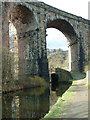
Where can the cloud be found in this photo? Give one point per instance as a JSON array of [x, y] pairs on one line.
[[56, 39], [77, 7]]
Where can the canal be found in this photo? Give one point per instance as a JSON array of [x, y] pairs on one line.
[[32, 103]]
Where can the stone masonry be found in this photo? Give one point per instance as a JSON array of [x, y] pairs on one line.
[[31, 19]]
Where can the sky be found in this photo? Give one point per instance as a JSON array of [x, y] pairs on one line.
[[55, 38]]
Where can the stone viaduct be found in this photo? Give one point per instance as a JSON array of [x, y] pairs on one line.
[[28, 56]]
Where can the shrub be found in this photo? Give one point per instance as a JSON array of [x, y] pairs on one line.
[[37, 81]]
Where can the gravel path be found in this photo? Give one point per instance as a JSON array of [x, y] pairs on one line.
[[78, 107]]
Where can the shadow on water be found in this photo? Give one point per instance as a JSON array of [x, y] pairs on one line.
[[26, 104], [32, 103], [59, 86]]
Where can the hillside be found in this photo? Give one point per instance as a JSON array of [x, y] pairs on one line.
[[57, 58]]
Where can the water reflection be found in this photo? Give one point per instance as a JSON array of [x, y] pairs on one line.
[[26, 104], [32, 103]]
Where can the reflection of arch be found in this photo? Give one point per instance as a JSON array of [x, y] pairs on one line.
[[24, 21], [67, 29]]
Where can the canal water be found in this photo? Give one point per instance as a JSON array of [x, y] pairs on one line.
[[31, 103]]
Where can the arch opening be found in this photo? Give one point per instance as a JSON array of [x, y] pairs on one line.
[[69, 32], [57, 49], [22, 35], [13, 48]]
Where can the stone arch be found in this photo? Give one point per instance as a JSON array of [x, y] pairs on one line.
[[25, 23], [64, 26], [67, 29], [22, 18]]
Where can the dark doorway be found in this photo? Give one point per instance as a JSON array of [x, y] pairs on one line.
[[54, 81]]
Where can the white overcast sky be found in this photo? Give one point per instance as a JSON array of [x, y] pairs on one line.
[[55, 38]]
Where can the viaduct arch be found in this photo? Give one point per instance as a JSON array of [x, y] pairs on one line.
[[31, 21], [66, 28]]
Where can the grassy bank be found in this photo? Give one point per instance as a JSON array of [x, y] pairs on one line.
[[89, 86], [31, 82], [60, 106]]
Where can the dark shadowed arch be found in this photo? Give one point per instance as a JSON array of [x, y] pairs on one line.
[[25, 23], [22, 18]]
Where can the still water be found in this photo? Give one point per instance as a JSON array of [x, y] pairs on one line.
[[31, 103]]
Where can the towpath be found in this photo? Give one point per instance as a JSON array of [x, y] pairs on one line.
[[78, 107]]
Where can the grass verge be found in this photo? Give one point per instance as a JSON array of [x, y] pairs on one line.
[[60, 106], [88, 86]]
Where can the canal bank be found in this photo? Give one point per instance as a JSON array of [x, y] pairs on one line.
[[73, 103]]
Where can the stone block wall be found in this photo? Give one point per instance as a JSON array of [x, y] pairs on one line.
[[63, 75], [31, 21]]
